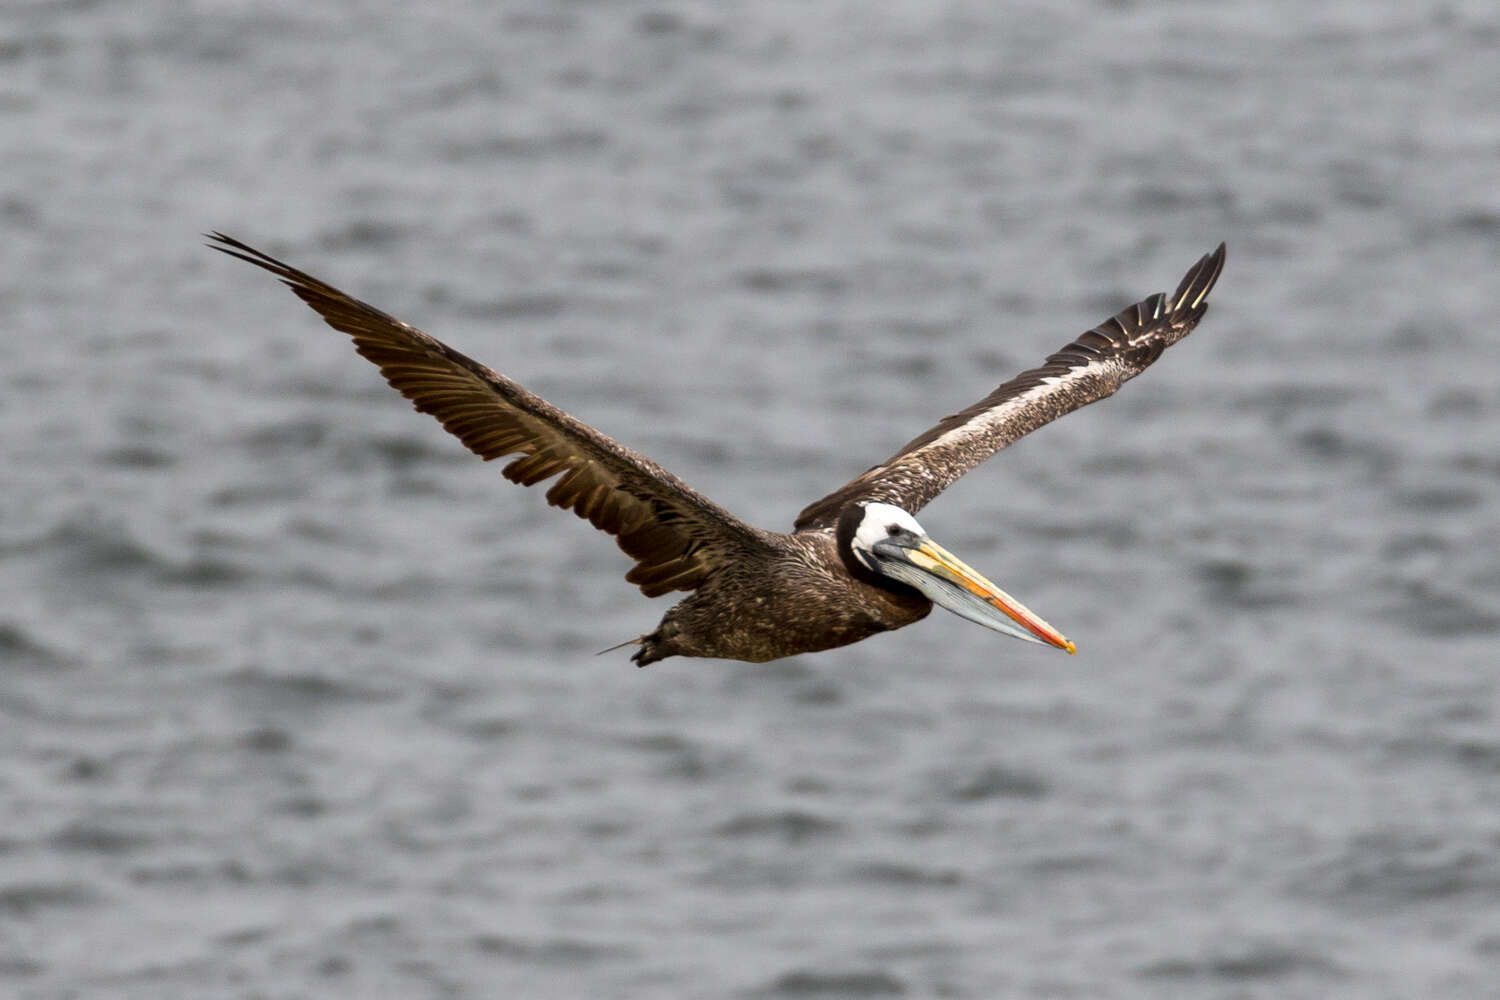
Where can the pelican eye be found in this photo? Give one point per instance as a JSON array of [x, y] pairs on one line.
[[893, 530]]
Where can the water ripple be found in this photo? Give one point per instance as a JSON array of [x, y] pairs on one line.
[[1385, 869], [793, 826], [1252, 964], [822, 983]]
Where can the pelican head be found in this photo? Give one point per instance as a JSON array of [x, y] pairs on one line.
[[889, 542]]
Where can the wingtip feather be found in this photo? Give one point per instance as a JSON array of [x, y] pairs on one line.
[[1199, 281]]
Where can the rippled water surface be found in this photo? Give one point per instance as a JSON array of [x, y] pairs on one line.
[[297, 698]]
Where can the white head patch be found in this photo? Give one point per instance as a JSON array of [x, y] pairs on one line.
[[878, 520]]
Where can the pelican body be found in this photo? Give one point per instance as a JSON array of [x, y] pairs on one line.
[[857, 562]]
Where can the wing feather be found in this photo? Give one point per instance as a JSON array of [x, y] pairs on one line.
[[1089, 369], [678, 537]]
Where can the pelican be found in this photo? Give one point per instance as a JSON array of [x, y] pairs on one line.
[[856, 562]]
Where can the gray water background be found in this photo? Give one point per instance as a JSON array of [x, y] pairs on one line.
[[297, 698]]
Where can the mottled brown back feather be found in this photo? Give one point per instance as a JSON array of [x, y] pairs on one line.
[[678, 537]]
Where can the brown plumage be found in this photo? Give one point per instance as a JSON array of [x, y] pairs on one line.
[[1088, 369], [756, 595]]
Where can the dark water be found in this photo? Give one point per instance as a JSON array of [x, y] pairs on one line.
[[297, 698]]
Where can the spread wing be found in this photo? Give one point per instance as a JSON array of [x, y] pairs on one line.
[[1090, 368], [678, 537]]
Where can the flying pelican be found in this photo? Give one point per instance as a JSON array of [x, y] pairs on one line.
[[856, 563]]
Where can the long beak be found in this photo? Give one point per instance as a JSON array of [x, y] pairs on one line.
[[945, 579]]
